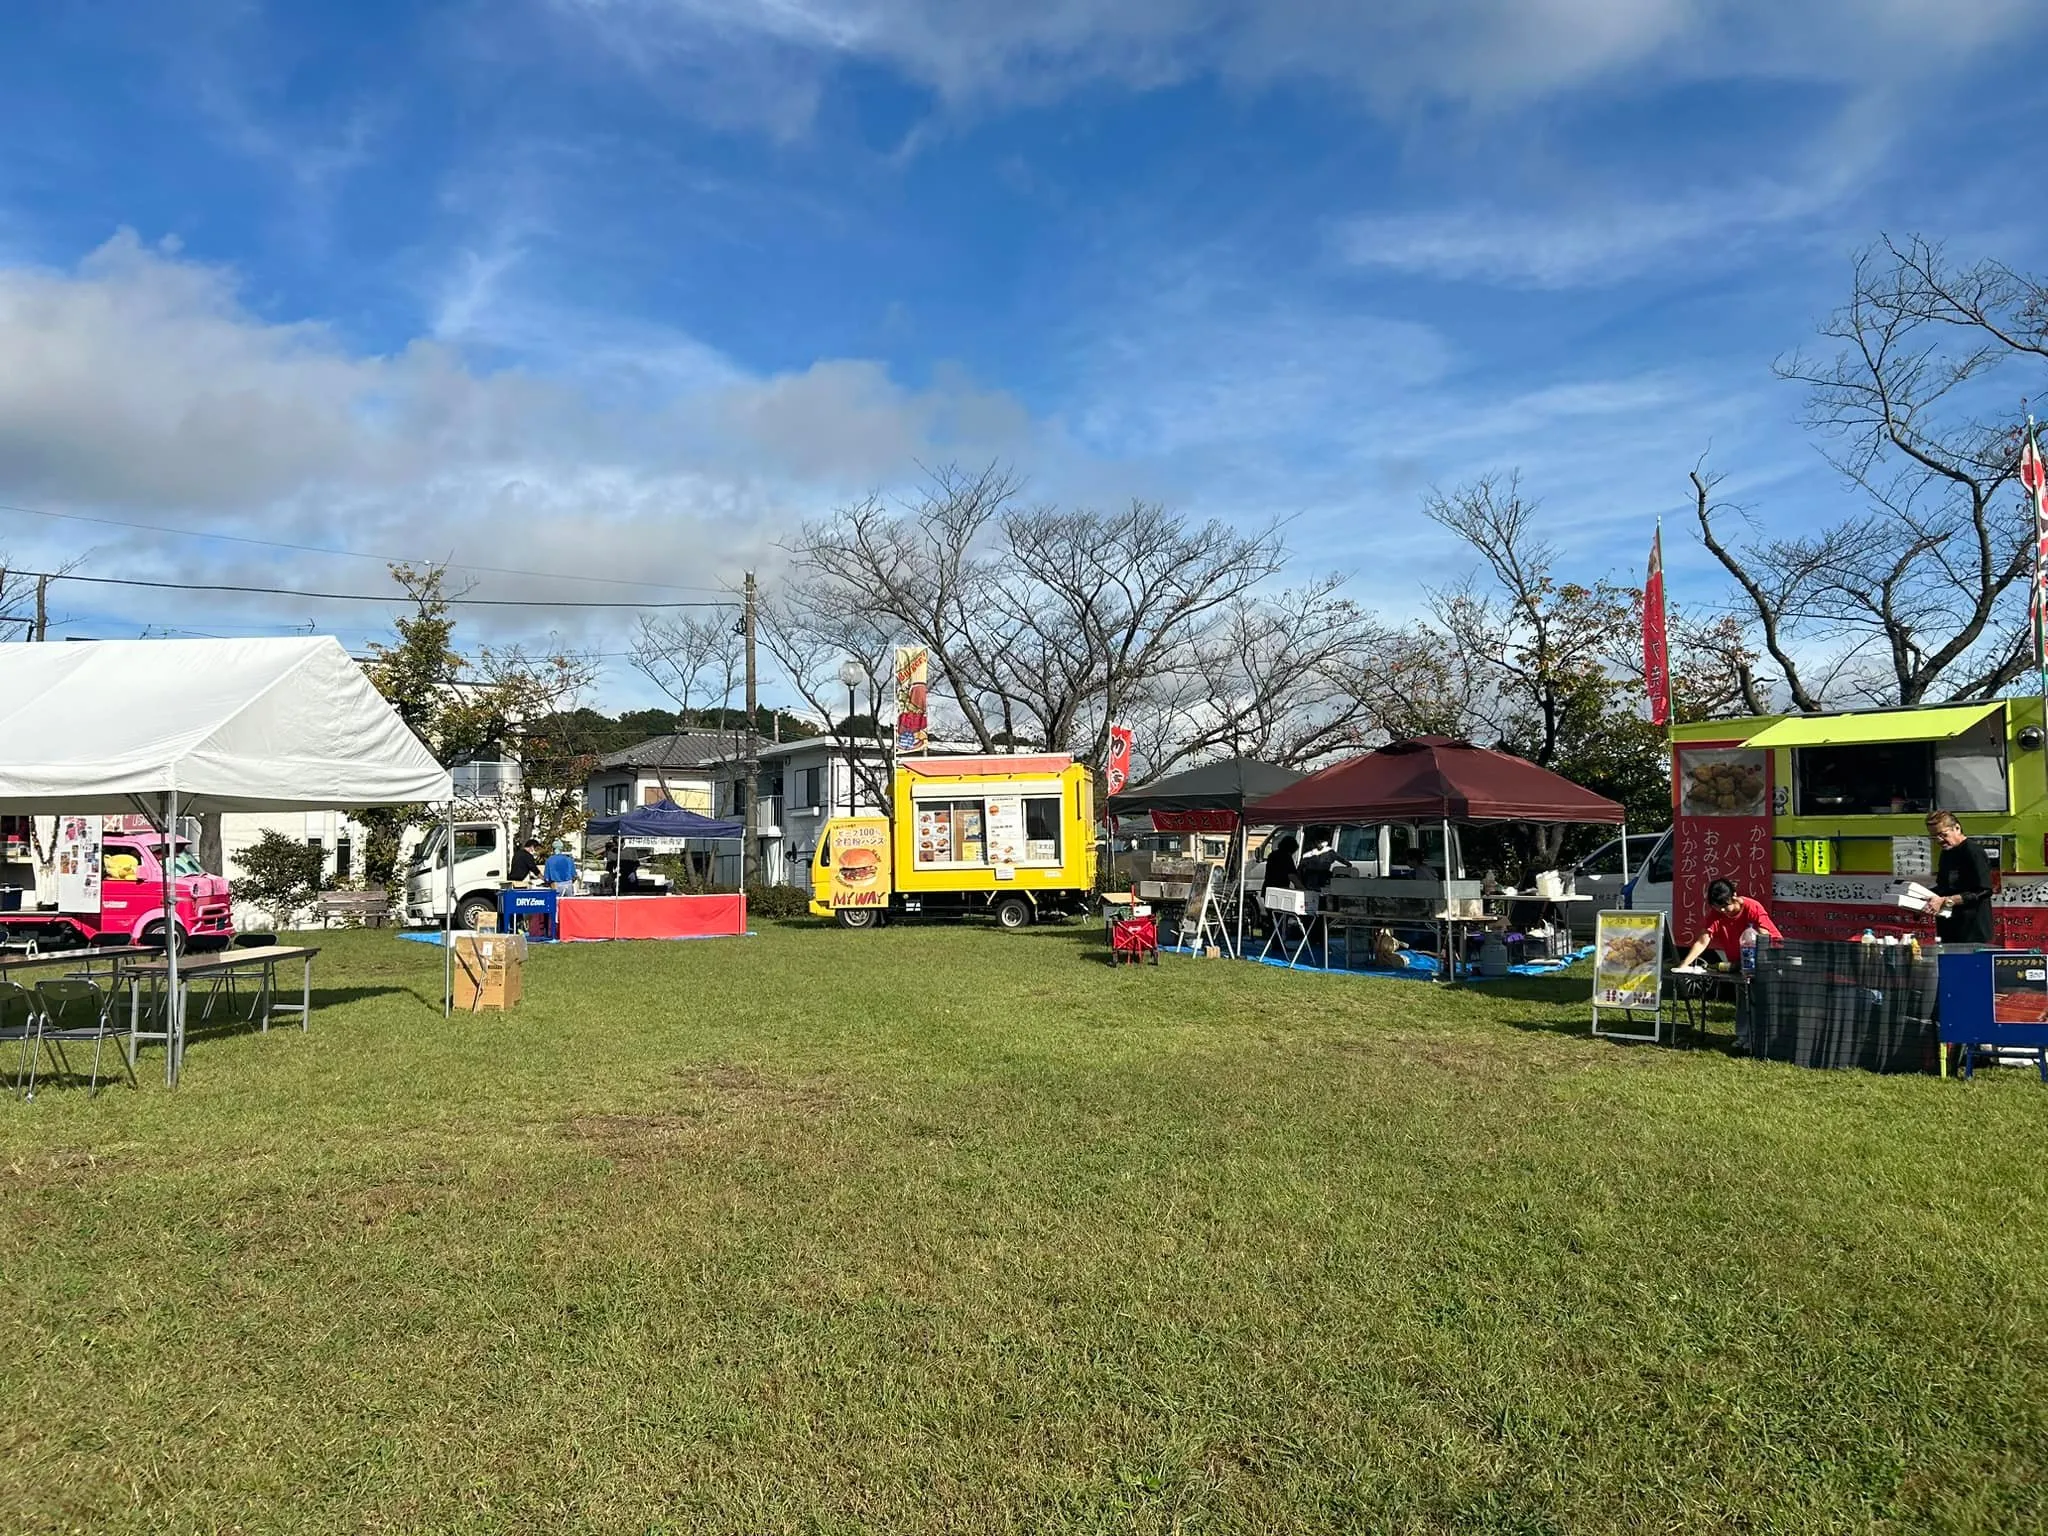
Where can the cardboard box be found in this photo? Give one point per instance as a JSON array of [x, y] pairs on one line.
[[489, 970]]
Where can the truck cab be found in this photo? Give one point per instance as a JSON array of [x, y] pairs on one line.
[[125, 905], [482, 853]]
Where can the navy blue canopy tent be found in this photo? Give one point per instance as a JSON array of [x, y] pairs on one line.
[[664, 818]]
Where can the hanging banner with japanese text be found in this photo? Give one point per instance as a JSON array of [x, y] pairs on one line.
[[913, 696], [1194, 821], [1723, 830]]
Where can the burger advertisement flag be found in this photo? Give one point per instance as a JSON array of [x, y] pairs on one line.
[[913, 694], [860, 864]]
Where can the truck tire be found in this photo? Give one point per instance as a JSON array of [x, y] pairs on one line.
[[859, 917], [1014, 913], [470, 908], [153, 936]]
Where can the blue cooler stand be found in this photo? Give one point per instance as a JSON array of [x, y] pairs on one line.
[[1995, 999], [518, 907]]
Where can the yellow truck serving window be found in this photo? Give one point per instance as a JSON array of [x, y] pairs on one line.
[[948, 832]]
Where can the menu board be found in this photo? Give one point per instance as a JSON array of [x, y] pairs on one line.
[[1627, 960], [78, 865], [1006, 844], [1723, 830], [949, 832], [1628, 969], [2019, 990]]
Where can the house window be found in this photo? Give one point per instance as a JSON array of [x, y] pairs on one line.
[[615, 799], [810, 790], [343, 858]]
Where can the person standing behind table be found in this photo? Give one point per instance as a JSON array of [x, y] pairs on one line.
[[1730, 915], [1962, 885], [1280, 869], [526, 863], [1321, 862], [560, 871]]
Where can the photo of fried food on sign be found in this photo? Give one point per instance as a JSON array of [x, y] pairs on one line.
[[1722, 781]]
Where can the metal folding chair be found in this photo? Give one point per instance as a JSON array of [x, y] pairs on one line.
[[77, 1010], [21, 1020]]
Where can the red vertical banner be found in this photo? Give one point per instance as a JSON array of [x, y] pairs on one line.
[[1723, 829], [1119, 766], [1656, 641]]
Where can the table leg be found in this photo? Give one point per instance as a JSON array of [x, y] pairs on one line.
[[306, 998]]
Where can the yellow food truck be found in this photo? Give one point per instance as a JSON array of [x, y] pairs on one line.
[[1824, 817], [1012, 836]]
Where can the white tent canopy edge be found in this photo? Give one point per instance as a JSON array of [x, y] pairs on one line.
[[171, 727]]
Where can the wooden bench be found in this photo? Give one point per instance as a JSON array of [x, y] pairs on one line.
[[370, 908]]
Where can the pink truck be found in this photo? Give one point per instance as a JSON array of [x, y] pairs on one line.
[[113, 894]]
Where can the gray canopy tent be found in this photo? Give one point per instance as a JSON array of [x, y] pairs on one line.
[[1227, 786], [166, 728]]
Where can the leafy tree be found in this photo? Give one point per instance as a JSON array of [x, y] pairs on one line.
[[506, 703], [279, 874]]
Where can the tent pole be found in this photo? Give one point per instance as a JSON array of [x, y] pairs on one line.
[[448, 918], [174, 1026], [1243, 874], [1450, 925]]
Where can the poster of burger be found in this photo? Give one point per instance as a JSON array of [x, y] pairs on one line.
[[860, 865]]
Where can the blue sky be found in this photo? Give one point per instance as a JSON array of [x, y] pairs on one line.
[[626, 288]]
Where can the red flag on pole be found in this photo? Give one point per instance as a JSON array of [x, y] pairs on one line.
[[1656, 652], [1119, 758], [2034, 477]]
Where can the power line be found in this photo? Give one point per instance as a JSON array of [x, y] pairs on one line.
[[350, 554], [357, 597]]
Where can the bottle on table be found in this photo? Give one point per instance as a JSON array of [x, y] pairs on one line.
[[1749, 951]]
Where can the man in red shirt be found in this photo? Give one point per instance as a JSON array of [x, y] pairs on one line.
[[1732, 915]]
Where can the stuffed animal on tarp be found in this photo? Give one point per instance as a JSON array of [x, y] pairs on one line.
[[1386, 951]]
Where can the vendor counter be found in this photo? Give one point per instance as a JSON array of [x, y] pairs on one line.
[[650, 917]]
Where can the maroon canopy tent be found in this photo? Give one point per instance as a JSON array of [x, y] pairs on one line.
[[1437, 779]]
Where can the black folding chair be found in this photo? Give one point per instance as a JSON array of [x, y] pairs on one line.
[[77, 1010], [21, 1020]]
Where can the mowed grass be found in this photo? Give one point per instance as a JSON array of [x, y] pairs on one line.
[[939, 1229]]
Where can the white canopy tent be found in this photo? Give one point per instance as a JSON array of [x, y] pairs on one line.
[[175, 727]]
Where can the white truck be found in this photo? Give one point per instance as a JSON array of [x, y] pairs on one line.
[[483, 858], [483, 863]]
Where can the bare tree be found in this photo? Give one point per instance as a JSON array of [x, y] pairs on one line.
[[1043, 624], [697, 659], [1919, 597], [811, 634], [1289, 678], [17, 604]]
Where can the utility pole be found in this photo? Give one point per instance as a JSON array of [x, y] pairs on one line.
[[744, 801], [42, 607]]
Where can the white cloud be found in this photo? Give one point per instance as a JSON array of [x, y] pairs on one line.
[[1477, 53], [139, 386], [1598, 242]]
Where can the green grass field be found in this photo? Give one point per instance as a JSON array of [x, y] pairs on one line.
[[945, 1230]]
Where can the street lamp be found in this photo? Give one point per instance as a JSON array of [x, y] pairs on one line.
[[851, 673]]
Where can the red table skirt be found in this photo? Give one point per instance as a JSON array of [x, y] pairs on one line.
[[651, 917]]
